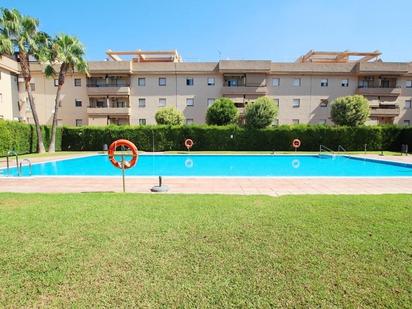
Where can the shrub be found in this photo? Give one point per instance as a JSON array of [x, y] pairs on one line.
[[233, 137], [260, 113], [222, 112], [350, 110], [22, 137], [169, 116]]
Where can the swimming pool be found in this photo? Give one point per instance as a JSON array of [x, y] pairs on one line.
[[224, 166]]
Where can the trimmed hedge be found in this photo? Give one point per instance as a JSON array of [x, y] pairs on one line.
[[220, 137], [22, 137]]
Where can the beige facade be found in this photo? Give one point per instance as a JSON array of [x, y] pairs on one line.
[[131, 91], [9, 95]]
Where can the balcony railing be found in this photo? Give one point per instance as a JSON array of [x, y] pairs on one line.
[[379, 90], [109, 84], [242, 84], [388, 111], [108, 110]]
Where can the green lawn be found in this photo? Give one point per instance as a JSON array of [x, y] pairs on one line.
[[123, 250]]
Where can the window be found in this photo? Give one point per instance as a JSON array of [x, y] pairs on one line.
[[77, 82], [275, 82], [344, 83], [79, 122], [211, 81], [100, 104], [141, 81], [296, 82], [408, 104], [276, 102], [296, 103], [142, 102], [189, 81], [56, 82], [33, 86], [324, 103], [275, 122], [210, 101], [407, 122], [162, 81], [190, 102], [324, 82], [162, 102], [78, 103], [322, 121], [295, 121], [189, 121], [142, 121], [28, 107], [1, 98], [408, 84]]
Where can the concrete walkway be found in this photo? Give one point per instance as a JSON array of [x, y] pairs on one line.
[[216, 185]]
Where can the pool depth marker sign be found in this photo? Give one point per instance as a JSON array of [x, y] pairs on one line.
[[123, 164]]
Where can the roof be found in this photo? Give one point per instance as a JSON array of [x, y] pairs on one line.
[[338, 57]]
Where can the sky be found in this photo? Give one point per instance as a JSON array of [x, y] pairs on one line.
[[209, 30]]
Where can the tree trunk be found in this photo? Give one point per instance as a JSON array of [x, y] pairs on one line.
[[25, 69], [57, 103]]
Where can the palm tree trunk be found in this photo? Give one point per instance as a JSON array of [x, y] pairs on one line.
[[25, 69], [57, 103]]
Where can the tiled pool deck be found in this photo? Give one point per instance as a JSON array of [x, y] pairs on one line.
[[215, 185]]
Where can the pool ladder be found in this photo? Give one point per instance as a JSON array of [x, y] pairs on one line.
[[19, 167], [323, 148], [341, 149]]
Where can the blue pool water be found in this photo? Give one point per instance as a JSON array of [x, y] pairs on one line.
[[223, 165]]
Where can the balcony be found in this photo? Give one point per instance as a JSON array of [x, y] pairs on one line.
[[107, 90], [244, 88], [392, 111], [378, 91], [108, 111]]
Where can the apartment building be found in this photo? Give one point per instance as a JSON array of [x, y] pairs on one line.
[[129, 87], [9, 94]]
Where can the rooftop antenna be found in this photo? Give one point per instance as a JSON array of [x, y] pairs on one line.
[[220, 54]]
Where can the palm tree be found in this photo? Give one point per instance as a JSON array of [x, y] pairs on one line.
[[68, 52], [19, 34]]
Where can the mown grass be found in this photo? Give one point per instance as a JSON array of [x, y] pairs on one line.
[[124, 250]]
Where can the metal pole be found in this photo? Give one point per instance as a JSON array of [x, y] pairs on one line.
[[123, 178]]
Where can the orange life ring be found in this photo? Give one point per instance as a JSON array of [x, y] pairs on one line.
[[296, 143], [188, 143], [128, 144]]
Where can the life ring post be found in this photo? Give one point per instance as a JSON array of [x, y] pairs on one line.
[[188, 143], [123, 164], [296, 144]]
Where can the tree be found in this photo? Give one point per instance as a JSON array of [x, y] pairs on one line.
[[222, 112], [260, 113], [350, 110], [19, 33], [68, 52], [169, 116]]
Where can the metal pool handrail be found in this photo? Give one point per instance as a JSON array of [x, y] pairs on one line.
[[325, 149], [28, 164], [340, 148]]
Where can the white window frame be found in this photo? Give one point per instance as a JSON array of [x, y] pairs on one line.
[[294, 105], [141, 81], [77, 121], [141, 100], [344, 83], [162, 100], [190, 100], [211, 81], [56, 82], [324, 82], [190, 81], [142, 121], [295, 121], [322, 121], [189, 121], [296, 82], [407, 122], [408, 84], [75, 103], [277, 101], [275, 82], [408, 104], [210, 101], [161, 84], [80, 82]]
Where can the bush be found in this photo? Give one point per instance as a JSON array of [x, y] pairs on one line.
[[233, 137], [169, 116], [260, 113], [22, 137], [222, 112], [350, 110]]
